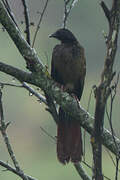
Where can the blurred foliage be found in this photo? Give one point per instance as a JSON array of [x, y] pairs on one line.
[[35, 151]]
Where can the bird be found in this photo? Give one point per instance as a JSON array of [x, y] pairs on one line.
[[68, 68]]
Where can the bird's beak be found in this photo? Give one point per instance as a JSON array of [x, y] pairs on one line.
[[52, 35]]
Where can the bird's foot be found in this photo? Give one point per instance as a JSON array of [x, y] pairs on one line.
[[76, 98], [62, 87]]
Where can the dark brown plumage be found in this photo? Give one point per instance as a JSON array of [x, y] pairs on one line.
[[68, 67]]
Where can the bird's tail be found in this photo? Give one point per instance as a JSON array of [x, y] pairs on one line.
[[69, 139]]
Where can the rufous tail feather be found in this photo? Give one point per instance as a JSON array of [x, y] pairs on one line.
[[69, 139]]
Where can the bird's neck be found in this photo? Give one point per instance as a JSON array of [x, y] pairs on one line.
[[69, 43]]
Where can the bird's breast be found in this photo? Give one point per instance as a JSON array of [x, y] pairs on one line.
[[69, 62], [69, 70]]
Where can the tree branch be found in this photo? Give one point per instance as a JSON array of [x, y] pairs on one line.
[[27, 22], [15, 72], [41, 79], [65, 101], [68, 5], [104, 89], [33, 92], [3, 129], [81, 172], [40, 20], [7, 6], [25, 50], [49, 102], [9, 168], [105, 10]]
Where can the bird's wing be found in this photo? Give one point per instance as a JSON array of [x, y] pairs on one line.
[[54, 65]]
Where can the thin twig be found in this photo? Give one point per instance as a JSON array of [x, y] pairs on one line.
[[68, 5], [109, 115], [49, 135], [8, 8], [81, 171], [105, 10], [9, 84], [30, 89], [27, 21], [111, 125], [3, 129], [23, 47], [33, 92], [110, 157], [4, 134], [39, 23], [92, 168], [110, 118], [117, 169], [84, 137], [52, 106], [10, 168]]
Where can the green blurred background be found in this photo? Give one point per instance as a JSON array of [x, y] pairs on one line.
[[35, 151]]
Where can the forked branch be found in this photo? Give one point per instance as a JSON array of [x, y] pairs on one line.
[[104, 89]]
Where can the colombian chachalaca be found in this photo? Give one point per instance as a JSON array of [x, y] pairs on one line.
[[68, 68]]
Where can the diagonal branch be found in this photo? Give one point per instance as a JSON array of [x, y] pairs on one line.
[[33, 92], [39, 23], [106, 10], [10, 168], [66, 101], [7, 6], [81, 172], [25, 50], [27, 22], [15, 72]]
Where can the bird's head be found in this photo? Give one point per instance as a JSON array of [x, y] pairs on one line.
[[64, 35]]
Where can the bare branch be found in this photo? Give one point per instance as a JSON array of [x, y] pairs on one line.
[[81, 172], [84, 136], [49, 102], [41, 79], [8, 8], [92, 169], [27, 21], [65, 101], [30, 89], [68, 5], [117, 167], [112, 96], [15, 72], [49, 135], [110, 119], [106, 10], [25, 50], [38, 95], [3, 128], [9, 84], [103, 90], [39, 23], [9, 168]]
